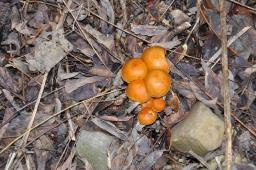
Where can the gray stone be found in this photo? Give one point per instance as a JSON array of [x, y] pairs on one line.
[[94, 146], [201, 131]]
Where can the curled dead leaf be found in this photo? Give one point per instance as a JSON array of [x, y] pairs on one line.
[[175, 103]]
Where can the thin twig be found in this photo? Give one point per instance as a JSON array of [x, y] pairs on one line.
[[25, 138], [227, 109], [166, 10], [253, 10], [230, 41], [200, 159]]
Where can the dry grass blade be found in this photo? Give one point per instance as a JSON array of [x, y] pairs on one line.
[[227, 109], [25, 138]]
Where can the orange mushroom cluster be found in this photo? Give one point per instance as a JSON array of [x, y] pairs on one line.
[[148, 81]]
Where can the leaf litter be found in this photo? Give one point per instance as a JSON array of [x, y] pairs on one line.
[[85, 92]]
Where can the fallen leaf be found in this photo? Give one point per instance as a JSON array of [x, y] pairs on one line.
[[151, 159], [72, 85], [179, 17], [148, 30], [173, 118], [7, 81], [107, 41], [115, 119], [49, 52], [24, 29], [42, 156], [111, 128], [19, 64], [212, 83], [202, 97], [175, 103], [248, 71], [12, 40], [184, 89], [143, 146], [68, 162], [101, 71], [168, 44], [108, 8]]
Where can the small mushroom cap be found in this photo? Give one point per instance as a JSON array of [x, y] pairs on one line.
[[158, 83], [147, 116], [157, 104], [136, 91], [154, 57], [134, 69]]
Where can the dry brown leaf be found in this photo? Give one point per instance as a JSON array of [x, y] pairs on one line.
[[168, 44], [107, 41], [68, 162], [13, 40], [175, 103], [148, 30], [202, 97], [179, 17], [151, 159], [172, 119], [49, 52], [248, 71], [184, 89], [72, 85], [42, 156], [212, 83], [100, 71], [111, 128], [106, 11], [115, 119], [7, 80]]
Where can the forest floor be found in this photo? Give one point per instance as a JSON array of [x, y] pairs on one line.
[[61, 88]]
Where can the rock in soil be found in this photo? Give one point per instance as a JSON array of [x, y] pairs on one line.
[[201, 131], [94, 146]]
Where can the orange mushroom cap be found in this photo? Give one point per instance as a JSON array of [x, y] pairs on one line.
[[147, 116], [157, 104], [158, 83], [134, 69], [154, 58], [136, 91]]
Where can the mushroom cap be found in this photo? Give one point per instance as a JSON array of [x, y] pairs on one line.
[[157, 104], [134, 69], [136, 91], [147, 116], [158, 83], [154, 57]]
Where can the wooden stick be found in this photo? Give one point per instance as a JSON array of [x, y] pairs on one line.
[[227, 109]]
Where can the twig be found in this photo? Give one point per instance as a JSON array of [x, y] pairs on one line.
[[200, 159], [230, 41], [166, 9], [25, 138], [253, 10], [227, 109]]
